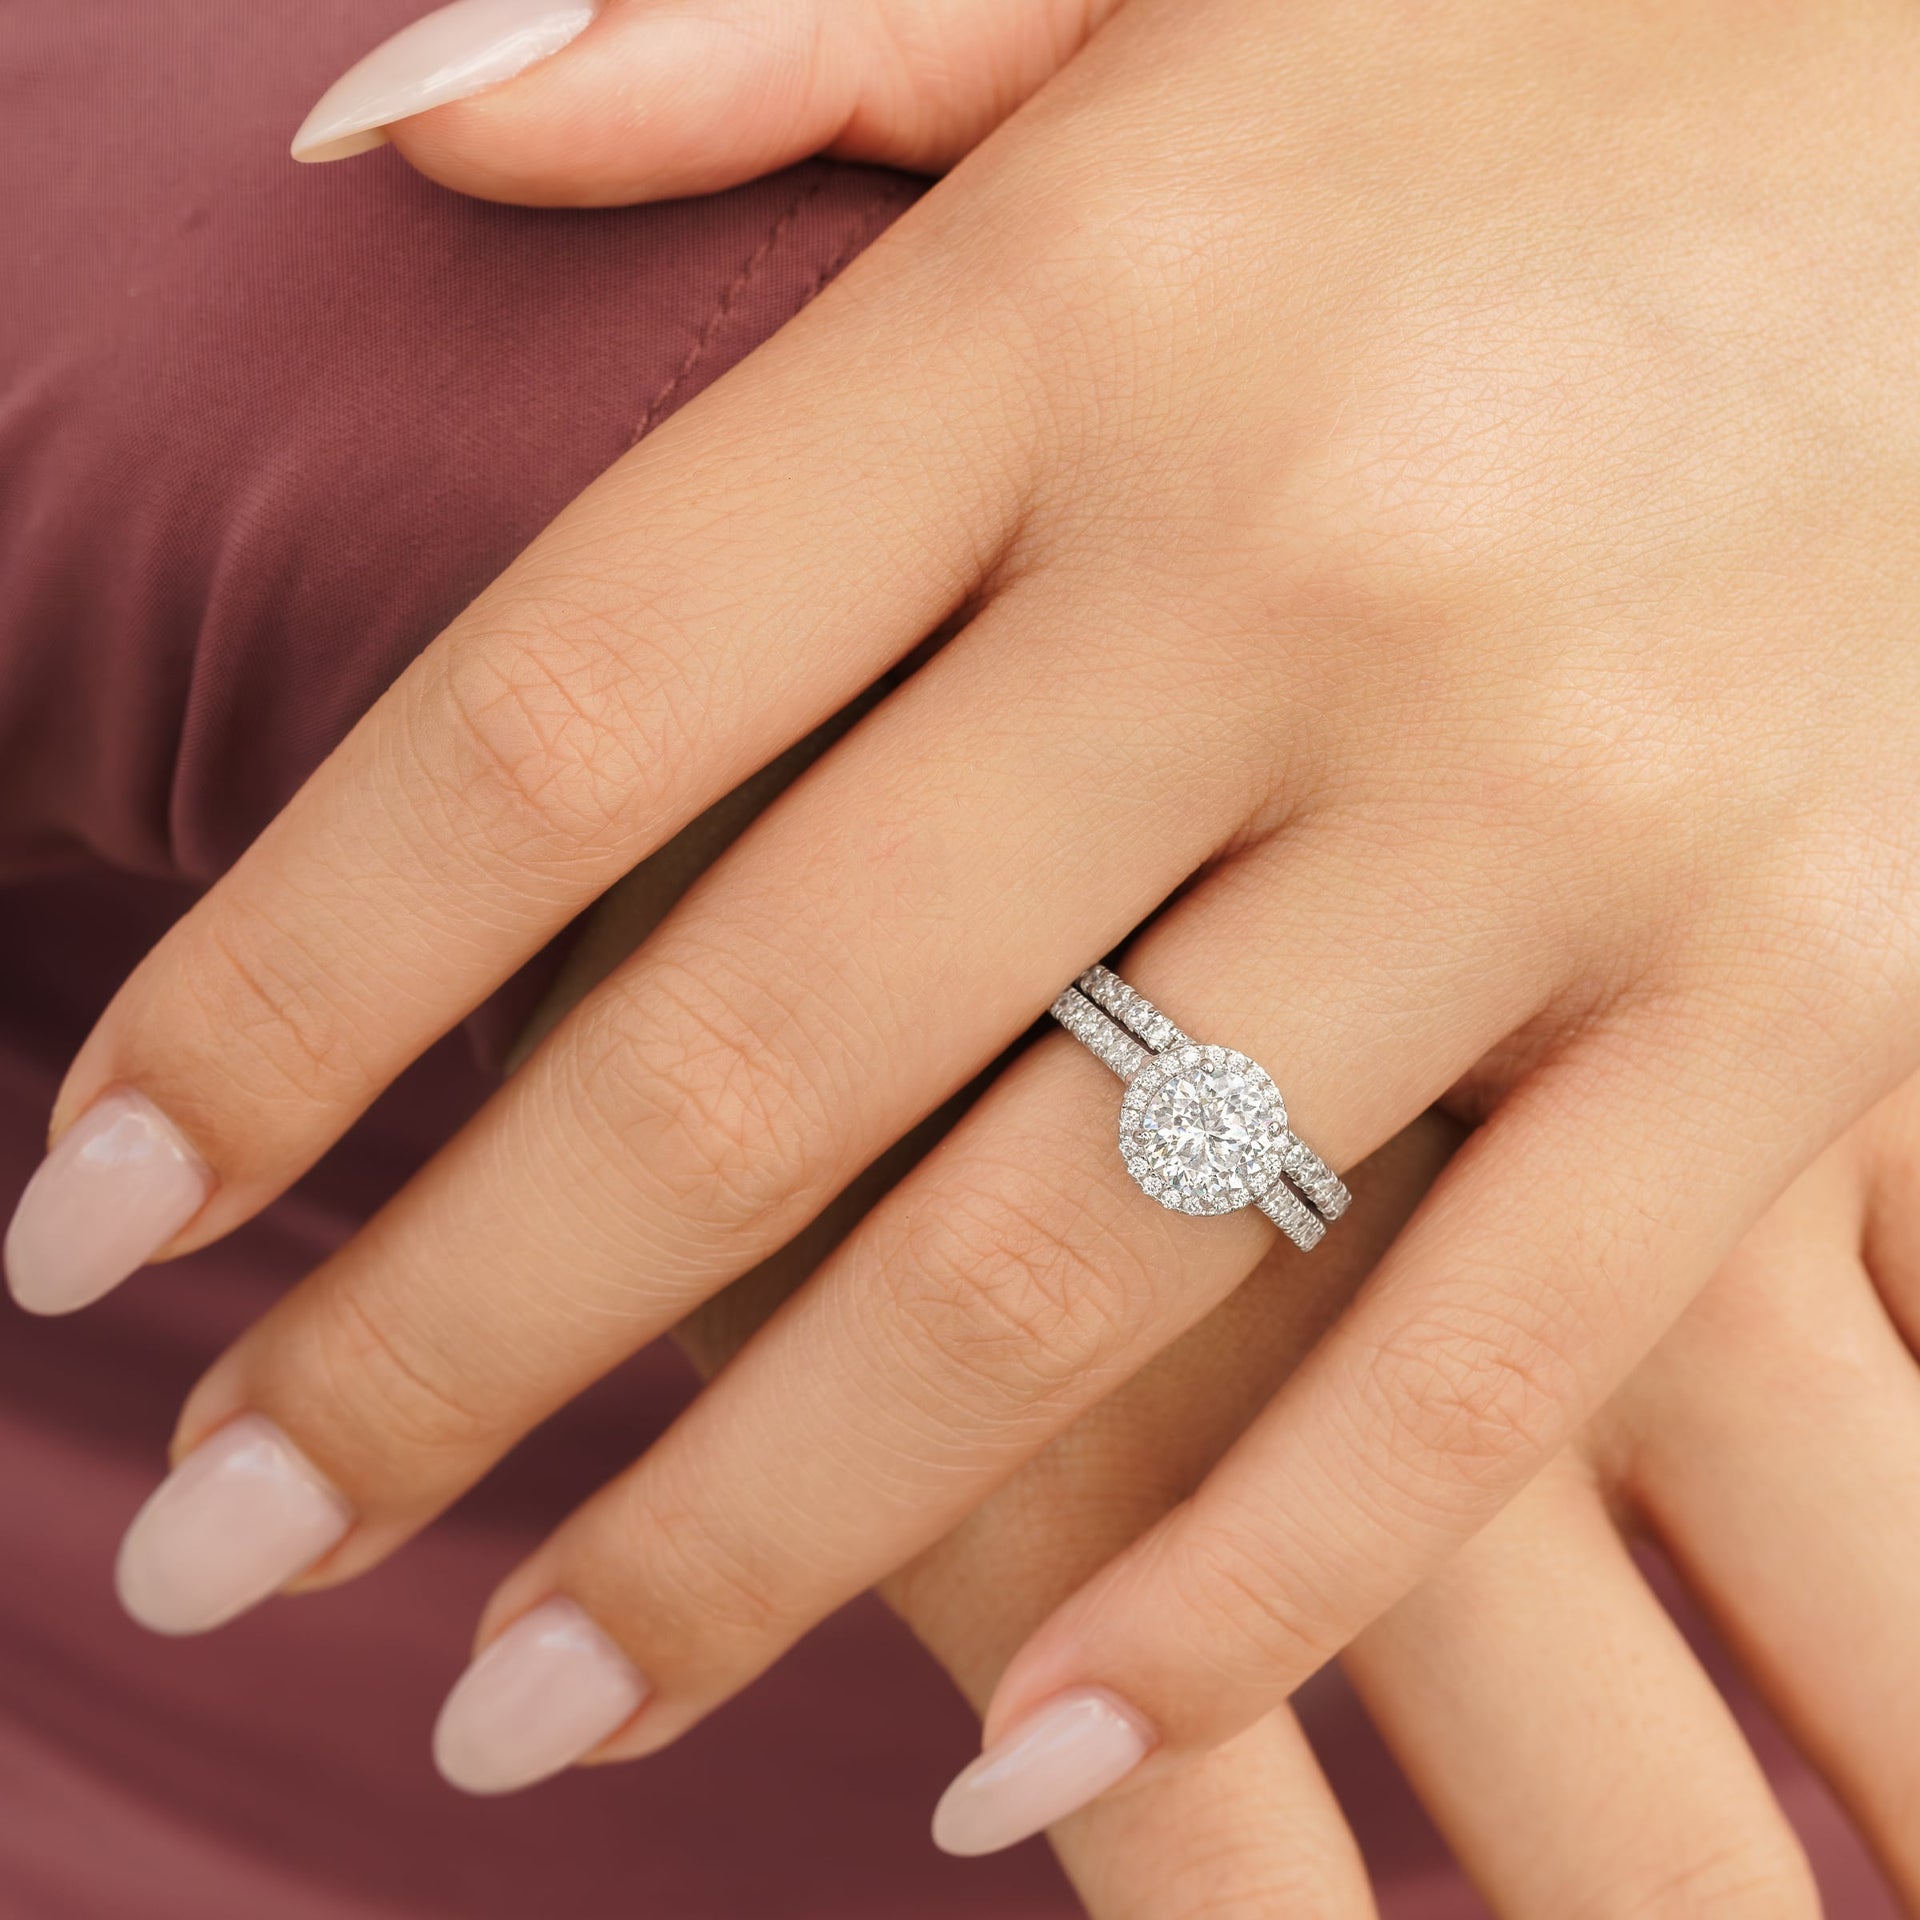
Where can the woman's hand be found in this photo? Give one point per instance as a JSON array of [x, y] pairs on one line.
[[1434, 502]]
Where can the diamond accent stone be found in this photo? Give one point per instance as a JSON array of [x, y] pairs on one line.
[[1202, 1129], [1292, 1216], [1098, 1034], [1133, 1010], [1314, 1178]]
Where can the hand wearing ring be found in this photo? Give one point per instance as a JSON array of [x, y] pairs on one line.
[[1365, 551]]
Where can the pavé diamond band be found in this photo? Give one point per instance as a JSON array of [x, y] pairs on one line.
[[1202, 1129]]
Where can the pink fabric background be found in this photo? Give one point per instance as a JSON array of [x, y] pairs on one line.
[[262, 430]]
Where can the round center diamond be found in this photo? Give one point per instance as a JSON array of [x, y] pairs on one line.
[[1200, 1129]]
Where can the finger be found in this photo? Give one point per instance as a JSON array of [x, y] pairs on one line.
[[552, 103], [1250, 1829], [1546, 1261], [1014, 1280], [1563, 1735], [702, 1106], [1773, 1442], [731, 584], [1146, 1445]]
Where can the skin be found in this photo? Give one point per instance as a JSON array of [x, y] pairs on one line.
[[1251, 1828], [1561, 1733], [1765, 1448], [1431, 510]]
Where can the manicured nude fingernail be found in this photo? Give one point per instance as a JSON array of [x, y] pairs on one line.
[[237, 1519], [547, 1692], [445, 56], [1056, 1760], [118, 1185]]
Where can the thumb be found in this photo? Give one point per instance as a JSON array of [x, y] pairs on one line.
[[572, 103]]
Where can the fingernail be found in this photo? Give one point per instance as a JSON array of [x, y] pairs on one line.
[[444, 56], [118, 1185], [1069, 1752], [237, 1519], [547, 1692]]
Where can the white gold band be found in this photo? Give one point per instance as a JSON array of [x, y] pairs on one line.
[[1202, 1129]]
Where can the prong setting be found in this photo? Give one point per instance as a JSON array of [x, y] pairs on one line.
[[1202, 1129]]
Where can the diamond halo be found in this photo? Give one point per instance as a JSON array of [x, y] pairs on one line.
[[1203, 1129]]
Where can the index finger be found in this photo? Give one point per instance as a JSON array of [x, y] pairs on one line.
[[729, 585]]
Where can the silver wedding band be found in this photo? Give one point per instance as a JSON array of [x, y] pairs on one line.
[[1202, 1129]]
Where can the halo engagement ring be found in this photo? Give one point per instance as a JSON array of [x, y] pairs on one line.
[[1202, 1129]]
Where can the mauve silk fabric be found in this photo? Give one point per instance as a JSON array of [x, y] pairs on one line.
[[263, 429]]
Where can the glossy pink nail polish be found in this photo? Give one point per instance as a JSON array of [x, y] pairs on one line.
[[239, 1517], [1061, 1756], [548, 1691], [444, 56], [117, 1186]]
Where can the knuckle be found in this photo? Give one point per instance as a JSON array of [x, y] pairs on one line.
[[709, 1592], [385, 1392], [1473, 1399], [1837, 961], [1246, 1620], [1012, 1280], [705, 1099], [543, 749], [272, 1010]]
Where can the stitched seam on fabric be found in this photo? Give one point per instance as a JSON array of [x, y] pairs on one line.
[[862, 235], [715, 320], [864, 231]]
